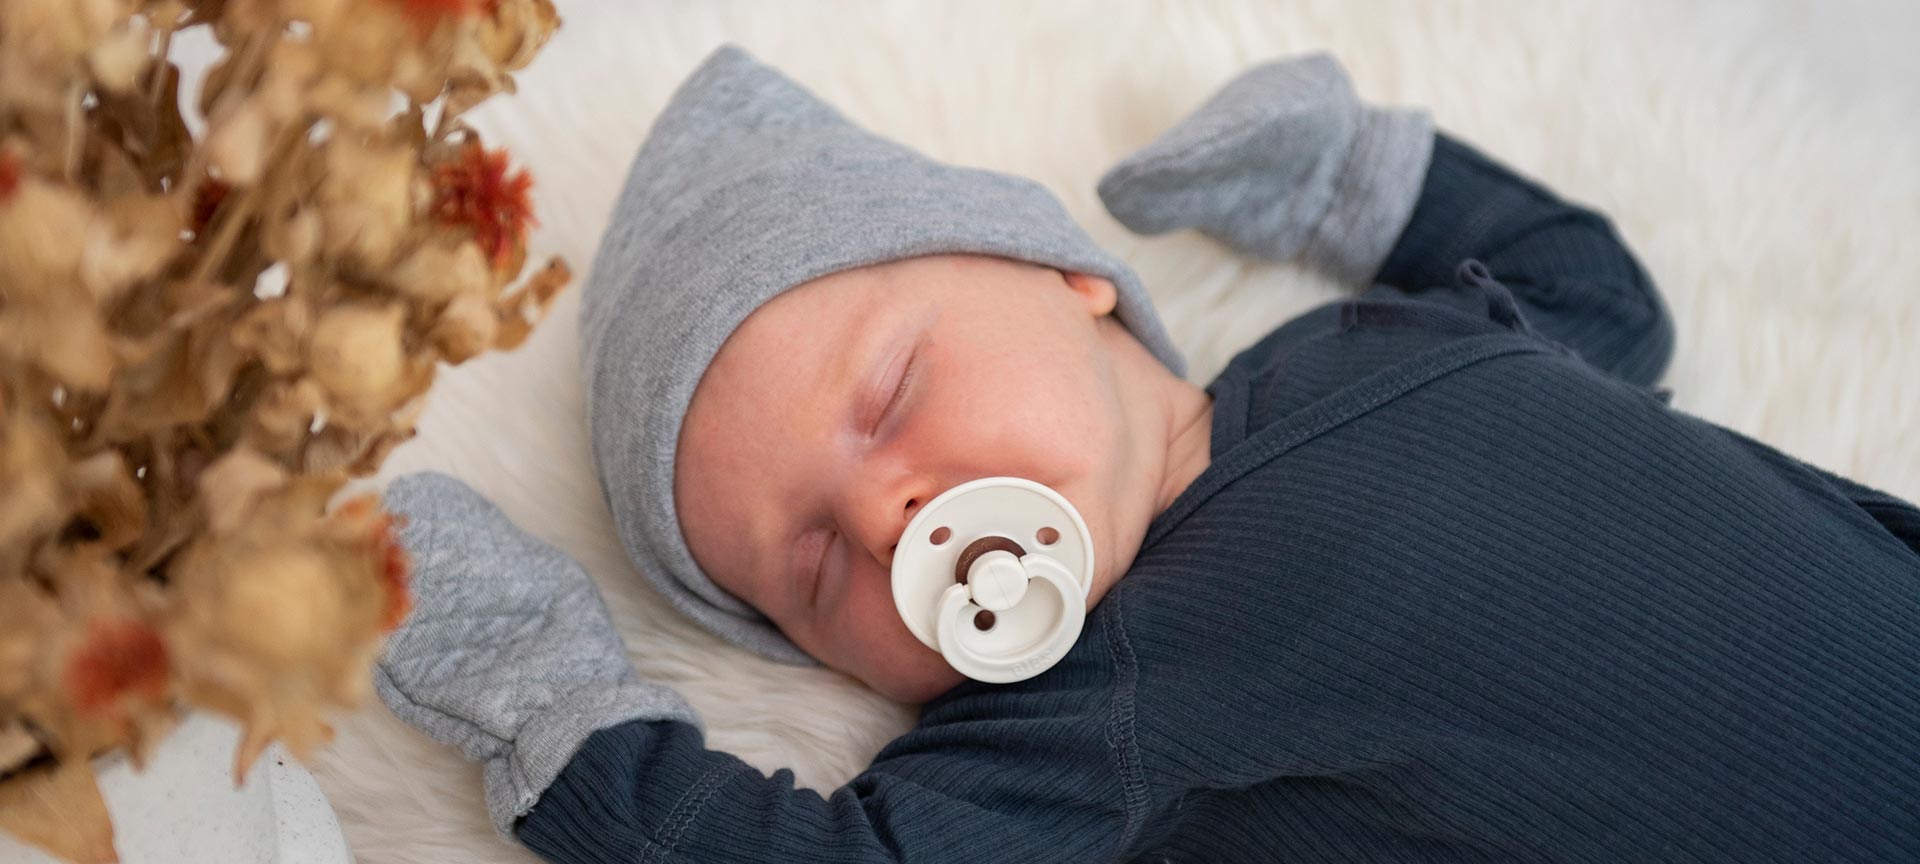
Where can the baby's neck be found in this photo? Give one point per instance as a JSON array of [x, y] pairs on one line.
[[1178, 417]]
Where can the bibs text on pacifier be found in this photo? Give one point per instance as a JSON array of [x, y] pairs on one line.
[[994, 575]]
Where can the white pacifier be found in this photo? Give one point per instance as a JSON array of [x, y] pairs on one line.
[[994, 575]]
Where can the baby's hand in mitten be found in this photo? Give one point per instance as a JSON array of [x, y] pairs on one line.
[[509, 654], [1284, 161]]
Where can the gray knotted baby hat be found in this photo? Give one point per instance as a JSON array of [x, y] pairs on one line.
[[747, 186]]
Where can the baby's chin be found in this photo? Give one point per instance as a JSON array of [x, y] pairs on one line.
[[923, 689], [918, 679]]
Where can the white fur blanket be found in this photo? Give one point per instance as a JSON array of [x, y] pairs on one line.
[[1764, 160]]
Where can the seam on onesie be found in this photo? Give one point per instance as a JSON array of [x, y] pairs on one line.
[[687, 809], [1121, 740]]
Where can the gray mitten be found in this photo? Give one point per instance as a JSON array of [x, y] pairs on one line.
[[508, 655], [1284, 161]]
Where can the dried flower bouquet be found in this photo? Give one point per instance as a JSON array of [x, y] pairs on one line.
[[202, 338]]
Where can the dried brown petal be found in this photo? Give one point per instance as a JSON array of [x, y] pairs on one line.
[[439, 271], [58, 808], [108, 499], [525, 308], [282, 416], [63, 337], [137, 236], [118, 59], [293, 239], [355, 356], [516, 30], [466, 327], [43, 230], [178, 380], [237, 146], [57, 32], [366, 46], [17, 746], [233, 483], [366, 200], [288, 75], [275, 332], [30, 459]]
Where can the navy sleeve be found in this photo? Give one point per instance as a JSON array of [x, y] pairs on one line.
[[1893, 515], [983, 790], [1574, 280]]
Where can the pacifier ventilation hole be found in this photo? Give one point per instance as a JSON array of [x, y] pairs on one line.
[[983, 621], [1047, 536], [940, 536]]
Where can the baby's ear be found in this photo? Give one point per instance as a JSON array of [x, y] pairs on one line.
[[1097, 292]]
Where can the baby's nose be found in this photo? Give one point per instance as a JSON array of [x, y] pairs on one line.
[[913, 507]]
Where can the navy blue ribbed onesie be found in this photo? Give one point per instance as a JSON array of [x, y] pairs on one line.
[[1457, 586]]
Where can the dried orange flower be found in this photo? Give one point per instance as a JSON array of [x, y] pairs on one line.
[[475, 192], [124, 657]]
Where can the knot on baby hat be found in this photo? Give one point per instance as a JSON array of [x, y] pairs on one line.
[[747, 186]]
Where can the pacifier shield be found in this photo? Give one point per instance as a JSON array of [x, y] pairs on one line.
[[962, 555]]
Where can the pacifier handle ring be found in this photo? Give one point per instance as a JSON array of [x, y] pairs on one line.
[[934, 586], [957, 610]]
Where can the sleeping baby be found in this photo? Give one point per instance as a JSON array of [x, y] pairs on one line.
[[1429, 574]]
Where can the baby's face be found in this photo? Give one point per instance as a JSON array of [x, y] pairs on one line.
[[840, 408]]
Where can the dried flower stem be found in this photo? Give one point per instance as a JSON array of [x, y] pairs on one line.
[[76, 129], [239, 208], [157, 71]]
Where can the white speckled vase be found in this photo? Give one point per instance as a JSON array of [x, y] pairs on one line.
[[184, 807]]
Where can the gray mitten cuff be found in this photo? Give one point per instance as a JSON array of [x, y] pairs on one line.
[[1284, 161], [1375, 195], [509, 654], [547, 743]]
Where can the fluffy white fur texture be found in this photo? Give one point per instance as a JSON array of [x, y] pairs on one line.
[[1762, 158]]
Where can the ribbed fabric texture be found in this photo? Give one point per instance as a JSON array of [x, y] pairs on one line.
[[1448, 592]]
